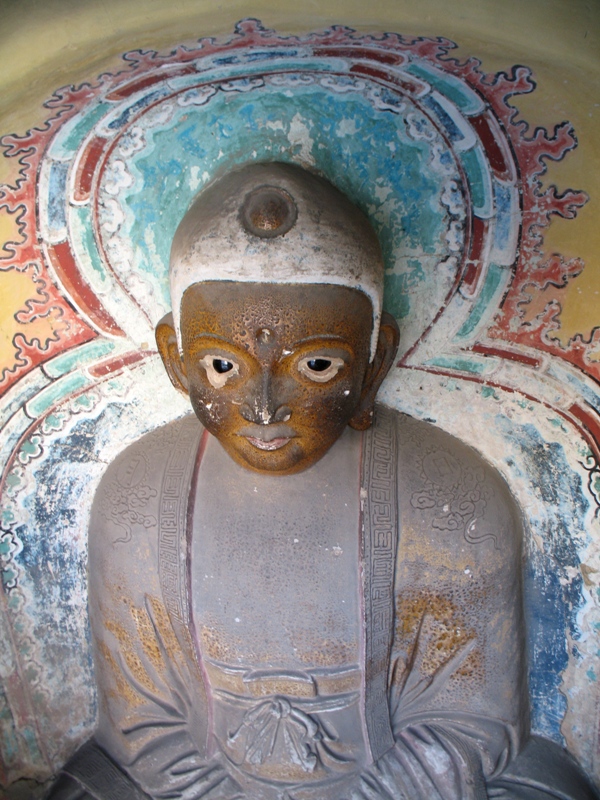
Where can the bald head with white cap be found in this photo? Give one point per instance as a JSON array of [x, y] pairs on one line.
[[277, 334], [276, 223]]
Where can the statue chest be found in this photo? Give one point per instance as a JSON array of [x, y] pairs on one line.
[[276, 612], [274, 563]]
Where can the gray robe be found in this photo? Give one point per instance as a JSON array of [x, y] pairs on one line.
[[354, 631]]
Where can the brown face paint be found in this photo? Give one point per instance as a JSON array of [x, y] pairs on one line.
[[275, 371]]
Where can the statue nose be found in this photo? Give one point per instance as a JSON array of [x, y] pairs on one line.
[[264, 409], [263, 415]]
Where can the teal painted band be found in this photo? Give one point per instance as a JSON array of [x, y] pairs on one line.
[[461, 364], [80, 356], [72, 141], [493, 279], [465, 99], [480, 183], [57, 391]]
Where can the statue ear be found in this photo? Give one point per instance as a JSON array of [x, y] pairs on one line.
[[169, 352], [387, 345]]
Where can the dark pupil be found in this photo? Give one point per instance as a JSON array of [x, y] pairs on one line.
[[221, 366], [319, 364]]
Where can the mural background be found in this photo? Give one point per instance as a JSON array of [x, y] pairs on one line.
[[499, 315]]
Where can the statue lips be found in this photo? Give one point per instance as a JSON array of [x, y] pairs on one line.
[[268, 437], [274, 444]]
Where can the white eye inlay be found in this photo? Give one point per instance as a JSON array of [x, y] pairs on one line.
[[320, 369], [219, 370]]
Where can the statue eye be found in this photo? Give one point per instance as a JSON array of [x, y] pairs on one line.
[[318, 364], [221, 366], [219, 370], [320, 370]]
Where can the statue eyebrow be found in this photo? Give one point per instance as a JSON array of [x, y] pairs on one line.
[[217, 342], [315, 337], [213, 336]]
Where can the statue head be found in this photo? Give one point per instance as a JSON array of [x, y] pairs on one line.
[[277, 332]]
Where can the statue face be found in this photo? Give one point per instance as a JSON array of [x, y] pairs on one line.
[[275, 372]]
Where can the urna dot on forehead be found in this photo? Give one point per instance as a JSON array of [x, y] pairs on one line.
[[276, 223]]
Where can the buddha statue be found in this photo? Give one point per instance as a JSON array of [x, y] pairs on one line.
[[296, 594]]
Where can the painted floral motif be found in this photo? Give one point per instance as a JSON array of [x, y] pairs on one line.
[[455, 497]]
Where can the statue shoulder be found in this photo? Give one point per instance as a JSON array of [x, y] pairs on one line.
[[125, 513], [450, 490], [459, 576]]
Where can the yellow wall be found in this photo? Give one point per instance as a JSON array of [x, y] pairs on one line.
[[45, 44]]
